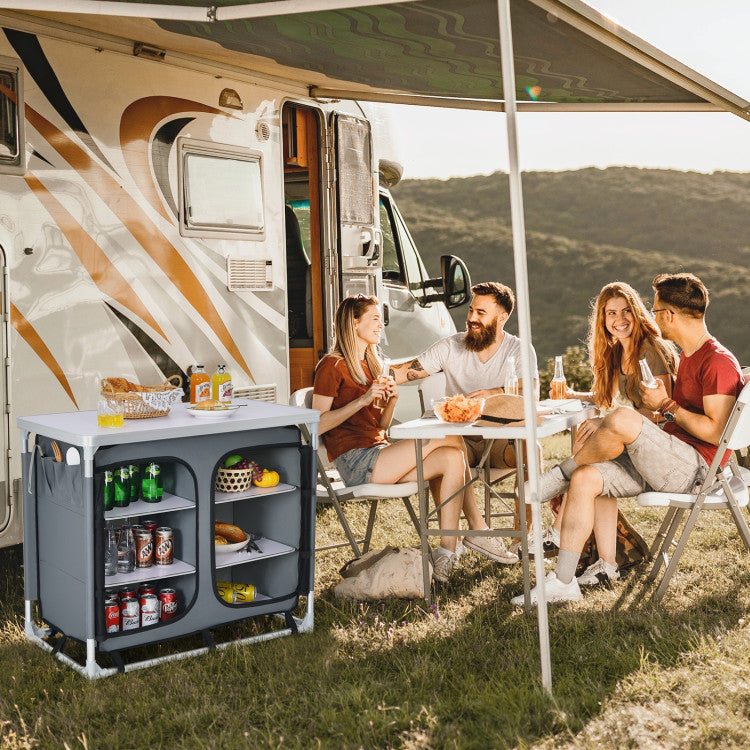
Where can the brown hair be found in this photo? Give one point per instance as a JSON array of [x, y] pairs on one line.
[[605, 351], [684, 291], [503, 294], [345, 343]]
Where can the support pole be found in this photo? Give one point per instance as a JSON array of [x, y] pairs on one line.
[[524, 325]]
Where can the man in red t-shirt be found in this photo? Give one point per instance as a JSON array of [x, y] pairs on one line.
[[626, 454]]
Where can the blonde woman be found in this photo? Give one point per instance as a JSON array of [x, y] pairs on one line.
[[621, 332], [353, 428]]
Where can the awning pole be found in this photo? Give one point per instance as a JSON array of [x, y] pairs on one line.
[[524, 327]]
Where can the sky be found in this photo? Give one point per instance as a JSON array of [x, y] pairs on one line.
[[710, 37]]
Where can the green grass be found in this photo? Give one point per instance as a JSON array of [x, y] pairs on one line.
[[464, 673]]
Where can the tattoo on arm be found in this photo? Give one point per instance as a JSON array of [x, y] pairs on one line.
[[415, 370]]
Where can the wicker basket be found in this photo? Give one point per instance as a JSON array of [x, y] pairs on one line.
[[152, 401], [234, 480]]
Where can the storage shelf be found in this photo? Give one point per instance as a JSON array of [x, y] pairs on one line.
[[252, 492], [154, 573], [269, 548], [142, 508]]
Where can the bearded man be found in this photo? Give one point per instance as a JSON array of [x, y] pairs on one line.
[[476, 363]]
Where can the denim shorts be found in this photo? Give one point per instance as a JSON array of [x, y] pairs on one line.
[[654, 461], [355, 466]]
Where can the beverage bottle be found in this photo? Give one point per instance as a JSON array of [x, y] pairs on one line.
[[108, 491], [126, 551], [200, 385], [558, 386], [110, 551], [511, 379], [646, 375], [152, 489], [122, 487], [135, 482], [221, 385]]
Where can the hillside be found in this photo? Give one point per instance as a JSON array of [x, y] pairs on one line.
[[587, 228]]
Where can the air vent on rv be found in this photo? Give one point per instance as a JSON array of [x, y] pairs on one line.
[[264, 392], [249, 275]]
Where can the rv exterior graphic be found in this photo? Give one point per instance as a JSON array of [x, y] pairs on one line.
[[157, 212]]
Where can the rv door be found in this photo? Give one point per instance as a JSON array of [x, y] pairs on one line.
[[358, 233]]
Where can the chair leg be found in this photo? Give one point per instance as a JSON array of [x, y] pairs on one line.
[[662, 556], [672, 567], [659, 538], [370, 525], [412, 514], [739, 522], [345, 525]]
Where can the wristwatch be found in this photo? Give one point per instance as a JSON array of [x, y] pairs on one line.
[[670, 410]]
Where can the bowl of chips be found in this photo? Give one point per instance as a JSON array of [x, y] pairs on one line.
[[458, 409]]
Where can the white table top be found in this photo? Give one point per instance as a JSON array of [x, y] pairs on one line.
[[431, 427], [80, 427]]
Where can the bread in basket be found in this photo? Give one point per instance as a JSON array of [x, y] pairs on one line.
[[142, 401]]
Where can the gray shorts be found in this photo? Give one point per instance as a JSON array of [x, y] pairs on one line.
[[355, 466], [654, 461]]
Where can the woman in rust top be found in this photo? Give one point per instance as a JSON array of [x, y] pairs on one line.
[[353, 427]]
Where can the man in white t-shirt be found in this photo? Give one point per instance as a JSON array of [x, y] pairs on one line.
[[477, 363]]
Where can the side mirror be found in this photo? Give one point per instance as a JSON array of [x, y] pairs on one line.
[[454, 281]]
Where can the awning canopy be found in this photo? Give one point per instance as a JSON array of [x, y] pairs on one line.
[[567, 56]]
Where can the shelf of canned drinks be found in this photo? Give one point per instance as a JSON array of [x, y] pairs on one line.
[[250, 493], [152, 573], [142, 508], [268, 548]]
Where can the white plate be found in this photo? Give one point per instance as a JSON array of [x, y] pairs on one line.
[[213, 413], [236, 547]]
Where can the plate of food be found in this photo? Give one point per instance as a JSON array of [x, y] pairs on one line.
[[212, 409], [458, 409], [229, 538]]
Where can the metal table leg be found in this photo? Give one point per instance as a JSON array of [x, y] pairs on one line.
[[524, 546], [423, 522]]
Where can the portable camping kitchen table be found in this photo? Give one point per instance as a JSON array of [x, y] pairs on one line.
[[430, 427], [64, 520]]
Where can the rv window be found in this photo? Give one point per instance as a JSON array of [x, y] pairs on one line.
[[415, 270], [10, 138], [392, 269], [222, 192]]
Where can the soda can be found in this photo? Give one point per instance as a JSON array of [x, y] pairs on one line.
[[108, 491], [144, 548], [149, 604], [130, 614], [112, 614], [168, 600], [151, 485], [137, 527], [135, 482], [163, 546], [126, 592], [122, 487], [150, 524]]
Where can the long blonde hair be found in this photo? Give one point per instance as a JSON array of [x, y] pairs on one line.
[[605, 351], [345, 343]]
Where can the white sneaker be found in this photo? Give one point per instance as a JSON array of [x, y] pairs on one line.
[[550, 542], [552, 483], [442, 565], [554, 591], [599, 572], [491, 547]]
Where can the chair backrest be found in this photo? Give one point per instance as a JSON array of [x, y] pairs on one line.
[[302, 398], [737, 430], [431, 388]]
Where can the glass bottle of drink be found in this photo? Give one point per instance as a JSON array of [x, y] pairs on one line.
[[122, 487], [135, 482], [221, 385], [108, 491], [558, 386], [200, 385], [647, 376], [511, 379], [152, 489], [126, 551], [110, 551]]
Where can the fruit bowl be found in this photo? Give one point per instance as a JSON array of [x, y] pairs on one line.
[[238, 475], [458, 409]]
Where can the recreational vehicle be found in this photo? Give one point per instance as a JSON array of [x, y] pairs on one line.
[[161, 209]]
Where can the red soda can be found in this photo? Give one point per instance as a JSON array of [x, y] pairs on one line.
[[130, 614], [112, 614], [168, 599], [150, 524], [126, 592], [163, 545], [146, 588], [149, 610], [144, 549]]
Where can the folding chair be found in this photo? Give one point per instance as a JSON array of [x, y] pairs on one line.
[[432, 388], [332, 490], [721, 490]]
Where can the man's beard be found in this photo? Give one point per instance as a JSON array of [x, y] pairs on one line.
[[479, 337]]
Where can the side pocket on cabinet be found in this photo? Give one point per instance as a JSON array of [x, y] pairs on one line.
[[59, 483]]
